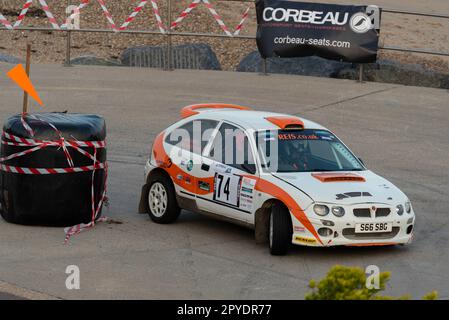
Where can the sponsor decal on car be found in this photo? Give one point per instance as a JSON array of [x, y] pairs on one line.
[[305, 240], [189, 165], [221, 168], [246, 193], [204, 185]]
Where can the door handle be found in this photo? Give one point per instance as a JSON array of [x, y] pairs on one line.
[[205, 167]]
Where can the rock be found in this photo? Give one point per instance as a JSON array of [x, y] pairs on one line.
[[382, 71], [186, 56], [307, 66], [394, 72], [9, 59], [94, 61]]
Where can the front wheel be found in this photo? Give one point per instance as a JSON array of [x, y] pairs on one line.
[[280, 230], [162, 206]]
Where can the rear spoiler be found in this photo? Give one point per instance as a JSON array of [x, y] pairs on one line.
[[193, 109]]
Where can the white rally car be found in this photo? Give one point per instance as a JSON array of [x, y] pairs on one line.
[[290, 179]]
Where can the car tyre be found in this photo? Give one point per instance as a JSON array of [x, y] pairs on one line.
[[161, 203], [280, 230]]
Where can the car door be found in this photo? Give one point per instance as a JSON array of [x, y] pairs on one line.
[[229, 161], [185, 145]]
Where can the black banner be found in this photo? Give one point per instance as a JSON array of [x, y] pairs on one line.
[[296, 29]]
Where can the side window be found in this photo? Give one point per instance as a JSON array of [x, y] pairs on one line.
[[182, 136], [231, 147], [193, 135], [207, 128]]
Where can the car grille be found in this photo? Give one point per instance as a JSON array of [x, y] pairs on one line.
[[362, 213], [349, 233], [366, 212], [382, 212]]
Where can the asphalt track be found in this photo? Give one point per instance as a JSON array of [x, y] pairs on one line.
[[400, 132]]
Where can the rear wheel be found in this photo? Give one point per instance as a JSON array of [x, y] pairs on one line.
[[162, 206], [280, 230]]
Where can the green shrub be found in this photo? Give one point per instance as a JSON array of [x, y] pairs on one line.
[[346, 283]]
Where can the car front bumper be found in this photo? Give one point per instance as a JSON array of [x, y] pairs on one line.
[[343, 232]]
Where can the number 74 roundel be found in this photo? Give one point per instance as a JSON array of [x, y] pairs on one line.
[[227, 188]]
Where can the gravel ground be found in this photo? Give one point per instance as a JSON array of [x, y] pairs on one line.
[[397, 30]]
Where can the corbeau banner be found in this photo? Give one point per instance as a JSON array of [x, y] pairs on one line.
[[297, 29]]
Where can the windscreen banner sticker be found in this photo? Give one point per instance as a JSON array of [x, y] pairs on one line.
[[297, 136], [227, 188], [247, 193], [290, 29], [305, 136]]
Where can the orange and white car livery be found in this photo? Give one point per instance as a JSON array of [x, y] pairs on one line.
[[290, 179]]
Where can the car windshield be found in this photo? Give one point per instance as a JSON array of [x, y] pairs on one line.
[[304, 151]]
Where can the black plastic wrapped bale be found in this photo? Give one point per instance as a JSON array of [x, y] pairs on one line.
[[57, 199]]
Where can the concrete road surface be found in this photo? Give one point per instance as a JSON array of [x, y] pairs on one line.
[[400, 132]]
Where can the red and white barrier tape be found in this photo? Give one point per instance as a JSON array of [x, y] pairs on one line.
[[130, 18], [133, 15], [49, 15], [185, 13], [9, 139], [23, 13], [74, 230], [215, 14], [217, 18], [75, 13], [23, 142], [26, 125], [44, 171], [242, 22], [160, 24], [107, 15], [5, 22]]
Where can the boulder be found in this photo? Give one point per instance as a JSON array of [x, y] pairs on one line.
[[9, 59], [394, 72], [89, 60], [307, 66], [187, 56]]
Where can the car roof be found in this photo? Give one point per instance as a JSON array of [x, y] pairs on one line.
[[251, 119]]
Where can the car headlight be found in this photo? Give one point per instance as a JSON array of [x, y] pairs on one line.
[[321, 210], [400, 209], [338, 211], [408, 207]]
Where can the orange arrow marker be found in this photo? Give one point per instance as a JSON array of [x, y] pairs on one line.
[[19, 76]]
